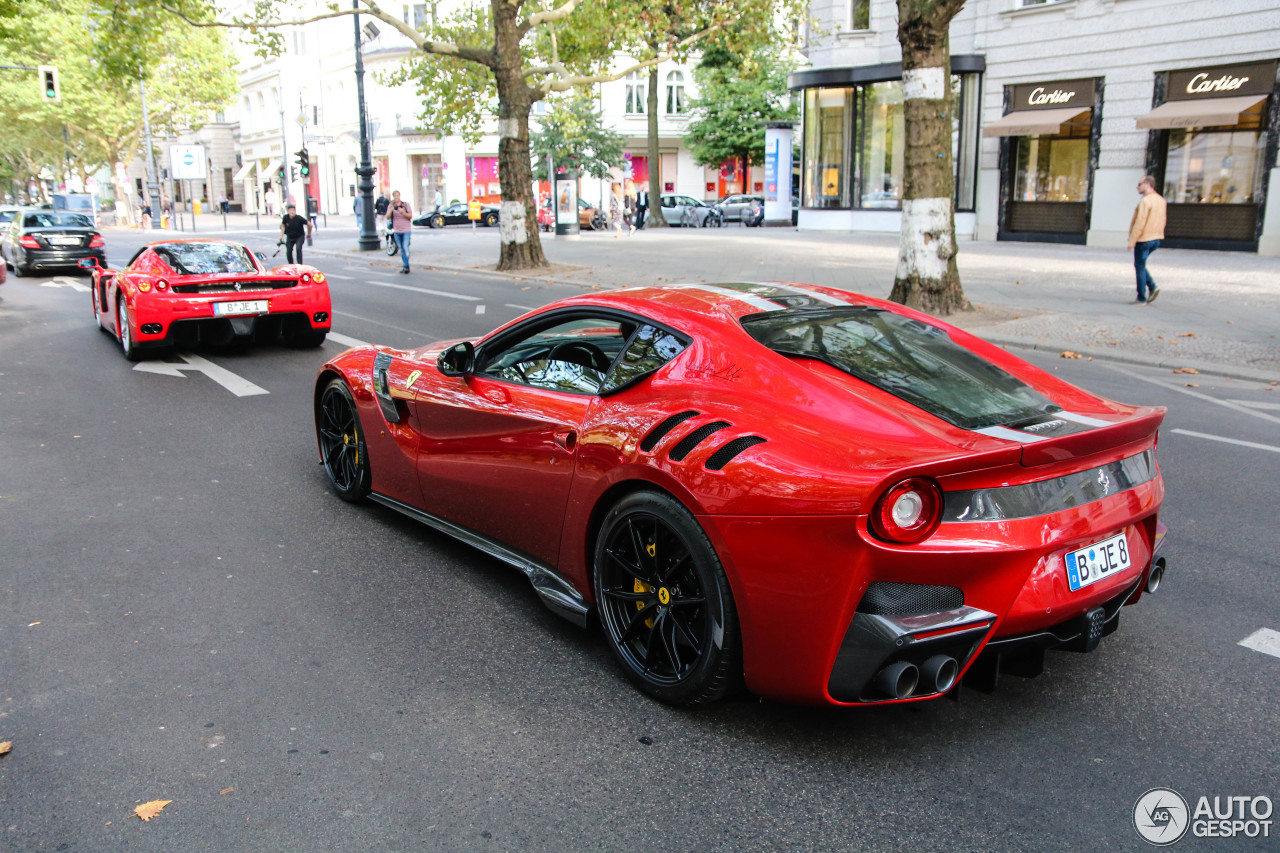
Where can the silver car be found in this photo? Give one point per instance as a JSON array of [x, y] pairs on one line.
[[734, 206], [680, 210]]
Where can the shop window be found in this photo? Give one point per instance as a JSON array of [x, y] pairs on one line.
[[964, 137], [827, 150], [882, 158], [1052, 168], [676, 104], [637, 94], [1216, 165]]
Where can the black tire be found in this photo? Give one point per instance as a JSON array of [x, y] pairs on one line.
[[490, 220], [436, 221], [299, 335], [652, 557], [131, 351], [393, 248], [19, 271], [342, 446]]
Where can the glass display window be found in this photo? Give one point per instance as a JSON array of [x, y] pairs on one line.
[[1217, 165], [827, 155], [1053, 168], [882, 160]]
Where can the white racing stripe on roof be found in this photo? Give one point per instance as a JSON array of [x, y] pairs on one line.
[[1081, 419], [1010, 434], [812, 294], [753, 301]]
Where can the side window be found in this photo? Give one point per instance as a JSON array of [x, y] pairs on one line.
[[573, 355], [648, 350]]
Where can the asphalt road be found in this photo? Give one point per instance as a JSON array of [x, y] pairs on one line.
[[187, 613]]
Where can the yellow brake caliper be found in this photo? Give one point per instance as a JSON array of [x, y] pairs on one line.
[[641, 586]]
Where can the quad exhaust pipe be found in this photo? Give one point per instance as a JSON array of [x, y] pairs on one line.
[[1156, 575], [898, 679], [936, 675]]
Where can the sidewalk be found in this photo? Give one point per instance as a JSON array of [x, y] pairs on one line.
[[1218, 312]]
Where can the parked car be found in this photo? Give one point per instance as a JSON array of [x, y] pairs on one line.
[[683, 211], [456, 214], [207, 291], [7, 212], [734, 206], [830, 498], [50, 239]]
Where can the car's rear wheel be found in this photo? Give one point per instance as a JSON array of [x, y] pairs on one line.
[[665, 603], [342, 447], [299, 335], [436, 221], [19, 271], [490, 220], [131, 351]]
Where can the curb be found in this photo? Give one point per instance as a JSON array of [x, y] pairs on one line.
[[1230, 371]]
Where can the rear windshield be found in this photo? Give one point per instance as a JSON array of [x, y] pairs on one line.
[[907, 358], [206, 258], [56, 219]]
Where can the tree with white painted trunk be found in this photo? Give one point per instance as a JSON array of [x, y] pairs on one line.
[[928, 278]]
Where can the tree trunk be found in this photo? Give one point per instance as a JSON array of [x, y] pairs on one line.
[[927, 277], [518, 222], [654, 158]]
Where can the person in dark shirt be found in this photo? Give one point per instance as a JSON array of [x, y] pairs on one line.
[[381, 205], [293, 230]]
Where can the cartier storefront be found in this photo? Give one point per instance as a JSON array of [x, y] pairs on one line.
[[1049, 138], [1211, 147]]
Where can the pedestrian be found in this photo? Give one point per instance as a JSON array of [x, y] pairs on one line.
[[293, 230], [381, 204], [1145, 233], [144, 214], [629, 206], [642, 208], [271, 201], [437, 200], [615, 208], [222, 202], [401, 215], [359, 209]]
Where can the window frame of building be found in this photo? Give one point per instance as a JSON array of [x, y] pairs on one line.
[[677, 100], [859, 15], [637, 85]]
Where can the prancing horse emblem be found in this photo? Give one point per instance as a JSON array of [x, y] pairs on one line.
[[237, 287]]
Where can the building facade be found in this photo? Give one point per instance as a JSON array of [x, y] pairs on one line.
[[1061, 106]]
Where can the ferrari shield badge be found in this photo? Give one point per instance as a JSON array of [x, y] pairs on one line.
[[413, 377]]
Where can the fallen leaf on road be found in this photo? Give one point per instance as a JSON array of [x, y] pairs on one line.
[[1193, 384], [1113, 343], [226, 791], [1185, 370], [146, 811], [6, 746], [1187, 335], [1069, 354], [33, 624]]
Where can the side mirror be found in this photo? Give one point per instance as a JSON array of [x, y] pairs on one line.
[[458, 360], [88, 263]]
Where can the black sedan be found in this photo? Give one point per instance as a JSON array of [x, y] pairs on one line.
[[456, 214], [50, 239]]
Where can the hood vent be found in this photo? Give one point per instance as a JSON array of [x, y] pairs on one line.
[[693, 439], [657, 433], [725, 454]]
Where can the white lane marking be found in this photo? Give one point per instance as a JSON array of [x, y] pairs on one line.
[[340, 277], [1226, 440], [1263, 640], [1010, 434], [236, 385], [64, 281], [479, 309], [346, 341], [1170, 386], [1257, 404], [518, 307], [425, 290], [378, 323]]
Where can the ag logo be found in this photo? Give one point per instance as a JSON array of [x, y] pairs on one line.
[[1161, 816]]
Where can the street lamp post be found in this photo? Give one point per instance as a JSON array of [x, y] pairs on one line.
[[153, 185], [368, 239]]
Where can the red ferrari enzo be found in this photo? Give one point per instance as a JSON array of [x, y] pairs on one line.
[[828, 497], [183, 292]]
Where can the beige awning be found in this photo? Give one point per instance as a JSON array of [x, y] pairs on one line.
[[1033, 122], [1203, 113], [269, 173], [244, 171]]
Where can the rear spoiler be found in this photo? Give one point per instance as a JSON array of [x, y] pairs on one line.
[[1140, 426]]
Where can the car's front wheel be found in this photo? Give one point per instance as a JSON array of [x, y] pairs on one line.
[[665, 603], [342, 447], [490, 220], [436, 221], [131, 351]]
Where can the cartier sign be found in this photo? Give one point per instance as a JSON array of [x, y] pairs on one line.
[[1051, 96], [1254, 78]]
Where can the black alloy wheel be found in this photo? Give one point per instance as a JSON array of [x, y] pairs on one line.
[[664, 602], [490, 220], [342, 447], [436, 221]]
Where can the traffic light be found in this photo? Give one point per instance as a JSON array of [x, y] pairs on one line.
[[48, 75], [304, 163], [293, 174], [280, 175]]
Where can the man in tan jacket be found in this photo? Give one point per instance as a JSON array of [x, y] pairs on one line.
[[1145, 233]]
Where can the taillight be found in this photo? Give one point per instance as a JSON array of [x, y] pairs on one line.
[[29, 242], [318, 278], [161, 284], [144, 286], [97, 242], [306, 278], [909, 511]]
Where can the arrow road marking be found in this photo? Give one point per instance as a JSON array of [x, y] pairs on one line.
[[1255, 445], [225, 378], [1263, 640], [66, 281]]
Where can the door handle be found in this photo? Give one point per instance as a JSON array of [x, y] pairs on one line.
[[566, 438]]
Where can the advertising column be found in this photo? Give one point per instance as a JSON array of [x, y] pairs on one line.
[[777, 173]]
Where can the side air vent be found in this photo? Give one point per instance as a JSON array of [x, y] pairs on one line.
[[655, 435], [724, 455], [909, 599], [693, 439]]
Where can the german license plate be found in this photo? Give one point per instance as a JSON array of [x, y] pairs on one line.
[[1092, 564], [64, 241], [226, 309]]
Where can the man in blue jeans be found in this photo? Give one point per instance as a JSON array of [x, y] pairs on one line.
[[1145, 233], [401, 227]]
